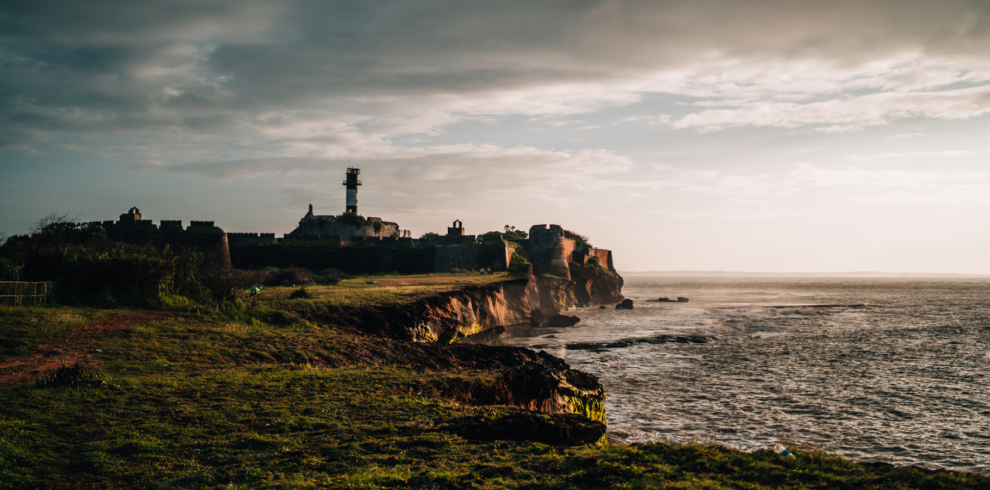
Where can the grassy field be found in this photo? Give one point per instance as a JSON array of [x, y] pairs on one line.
[[225, 398], [386, 290]]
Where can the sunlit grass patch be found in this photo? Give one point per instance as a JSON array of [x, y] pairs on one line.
[[22, 328]]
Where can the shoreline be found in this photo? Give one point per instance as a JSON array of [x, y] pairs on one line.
[[270, 396]]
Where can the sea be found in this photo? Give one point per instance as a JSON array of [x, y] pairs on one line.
[[877, 370]]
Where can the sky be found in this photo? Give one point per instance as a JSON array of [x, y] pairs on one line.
[[778, 136]]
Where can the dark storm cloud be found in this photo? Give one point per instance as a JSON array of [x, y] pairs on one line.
[[210, 69]]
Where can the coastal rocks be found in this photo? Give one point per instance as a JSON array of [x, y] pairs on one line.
[[448, 315], [551, 429], [551, 387], [657, 339], [486, 337], [680, 299], [594, 284], [555, 294], [562, 321], [626, 304], [537, 319], [453, 315]]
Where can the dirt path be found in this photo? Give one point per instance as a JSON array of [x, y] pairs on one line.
[[78, 345]]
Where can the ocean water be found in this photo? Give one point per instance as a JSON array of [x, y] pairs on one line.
[[904, 379]]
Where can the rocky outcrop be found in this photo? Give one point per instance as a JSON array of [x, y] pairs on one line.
[[447, 316], [524, 425], [562, 321], [626, 304], [594, 284], [451, 316]]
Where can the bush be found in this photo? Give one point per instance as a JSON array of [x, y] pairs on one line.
[[353, 219], [301, 293], [579, 240], [519, 266], [290, 276], [329, 277], [69, 377]]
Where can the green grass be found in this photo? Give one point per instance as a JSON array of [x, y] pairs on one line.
[[384, 291], [227, 399], [24, 327]]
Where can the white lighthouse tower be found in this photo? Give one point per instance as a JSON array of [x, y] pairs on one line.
[[352, 184]]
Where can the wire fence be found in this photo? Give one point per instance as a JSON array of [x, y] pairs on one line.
[[20, 293]]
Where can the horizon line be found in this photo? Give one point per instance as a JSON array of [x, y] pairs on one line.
[[809, 274]]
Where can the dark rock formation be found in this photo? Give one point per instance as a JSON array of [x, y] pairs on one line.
[[537, 319], [552, 294], [551, 429], [594, 284], [626, 304], [656, 339], [563, 321], [486, 337], [682, 299], [602, 307], [663, 300]]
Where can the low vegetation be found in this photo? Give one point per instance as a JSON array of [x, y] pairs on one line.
[[213, 398]]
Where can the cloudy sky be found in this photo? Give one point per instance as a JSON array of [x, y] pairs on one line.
[[684, 135]]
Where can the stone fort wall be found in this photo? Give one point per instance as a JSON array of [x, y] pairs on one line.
[[550, 252], [373, 260]]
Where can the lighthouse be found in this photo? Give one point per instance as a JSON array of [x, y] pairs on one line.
[[352, 184]]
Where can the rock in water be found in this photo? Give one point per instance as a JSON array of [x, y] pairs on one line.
[[626, 304], [602, 307], [563, 321], [537, 319], [682, 299]]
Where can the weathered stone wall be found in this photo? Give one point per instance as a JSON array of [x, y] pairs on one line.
[[373, 260], [351, 260], [549, 251], [494, 256], [583, 255], [211, 244]]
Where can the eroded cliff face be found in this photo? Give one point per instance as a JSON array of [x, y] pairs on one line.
[[451, 316], [595, 285]]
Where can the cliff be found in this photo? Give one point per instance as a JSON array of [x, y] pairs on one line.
[[450, 316]]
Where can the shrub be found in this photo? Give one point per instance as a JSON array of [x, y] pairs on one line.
[[518, 265], [329, 277], [352, 219], [290, 276], [579, 240], [69, 377], [301, 293]]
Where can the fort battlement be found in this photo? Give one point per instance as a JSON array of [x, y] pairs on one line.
[[551, 248]]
